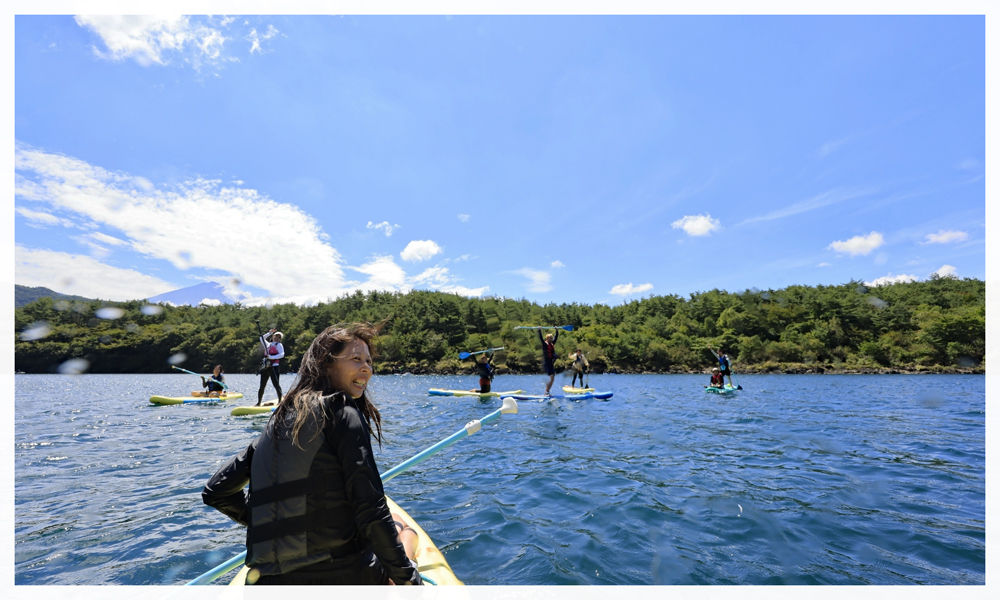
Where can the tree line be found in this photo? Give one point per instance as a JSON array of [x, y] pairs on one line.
[[933, 324]]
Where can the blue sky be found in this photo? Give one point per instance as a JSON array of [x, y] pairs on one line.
[[562, 158]]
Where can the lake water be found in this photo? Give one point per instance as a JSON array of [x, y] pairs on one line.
[[800, 479]]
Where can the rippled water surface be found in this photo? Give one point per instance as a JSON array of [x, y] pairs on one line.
[[800, 479]]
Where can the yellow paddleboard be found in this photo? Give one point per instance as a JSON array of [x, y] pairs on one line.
[[440, 392], [430, 562], [195, 399], [575, 390], [266, 407]]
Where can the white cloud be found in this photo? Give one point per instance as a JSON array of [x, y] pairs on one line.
[[99, 237], [625, 289], [557, 264], [859, 244], [946, 271], [824, 264], [43, 218], [697, 224], [149, 39], [946, 237], [818, 201], [420, 250], [829, 147], [254, 38], [538, 281], [386, 228], [87, 277], [168, 224], [891, 279], [464, 218]]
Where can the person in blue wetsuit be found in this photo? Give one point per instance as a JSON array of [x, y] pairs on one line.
[[486, 371], [549, 357], [214, 383], [315, 511], [724, 367]]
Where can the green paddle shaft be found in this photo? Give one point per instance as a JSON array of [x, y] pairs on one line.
[[509, 407]]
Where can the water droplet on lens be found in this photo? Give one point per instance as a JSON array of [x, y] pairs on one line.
[[177, 359], [110, 312], [74, 366], [36, 331], [151, 309]]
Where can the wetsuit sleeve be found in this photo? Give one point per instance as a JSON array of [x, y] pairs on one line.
[[363, 487], [225, 490], [554, 340], [540, 338]]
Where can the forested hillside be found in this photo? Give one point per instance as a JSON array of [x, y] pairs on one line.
[[928, 325]]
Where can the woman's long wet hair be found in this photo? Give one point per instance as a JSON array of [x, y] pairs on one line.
[[314, 383]]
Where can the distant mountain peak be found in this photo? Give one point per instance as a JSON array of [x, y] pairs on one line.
[[202, 293]]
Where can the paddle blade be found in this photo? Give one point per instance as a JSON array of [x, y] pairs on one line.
[[464, 355], [567, 327]]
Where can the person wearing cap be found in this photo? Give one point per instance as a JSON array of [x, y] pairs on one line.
[[275, 352], [717, 380]]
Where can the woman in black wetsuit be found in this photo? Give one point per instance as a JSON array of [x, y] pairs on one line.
[[316, 511]]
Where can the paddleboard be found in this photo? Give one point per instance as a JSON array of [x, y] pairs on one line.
[[575, 390], [586, 396], [723, 390], [195, 399], [440, 392], [266, 407], [430, 562]]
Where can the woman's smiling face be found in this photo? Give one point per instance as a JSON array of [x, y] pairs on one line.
[[351, 369]]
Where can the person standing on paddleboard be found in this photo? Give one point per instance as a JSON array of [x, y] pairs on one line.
[[549, 357], [274, 353], [316, 512], [214, 383], [579, 366], [724, 366], [484, 367]]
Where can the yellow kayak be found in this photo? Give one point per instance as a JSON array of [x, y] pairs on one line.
[[430, 562], [575, 390], [195, 399]]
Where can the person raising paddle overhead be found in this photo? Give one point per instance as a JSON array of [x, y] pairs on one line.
[[549, 357], [484, 367]]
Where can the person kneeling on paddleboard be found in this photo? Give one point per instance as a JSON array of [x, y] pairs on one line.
[[717, 380], [214, 383], [484, 367], [316, 512]]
